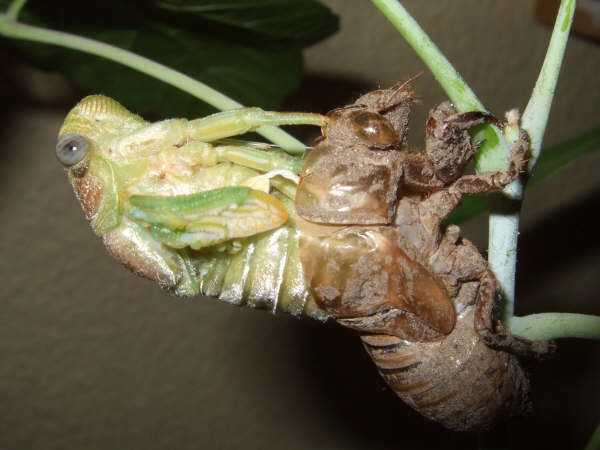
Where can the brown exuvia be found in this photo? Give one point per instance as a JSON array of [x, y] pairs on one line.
[[377, 257]]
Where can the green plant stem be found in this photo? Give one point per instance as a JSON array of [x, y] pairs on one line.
[[546, 326], [535, 116], [15, 8], [492, 155], [16, 30], [504, 220], [453, 84]]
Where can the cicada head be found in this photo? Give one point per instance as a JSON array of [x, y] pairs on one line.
[[84, 148]]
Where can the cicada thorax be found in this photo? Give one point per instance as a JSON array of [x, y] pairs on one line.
[[351, 183], [377, 262]]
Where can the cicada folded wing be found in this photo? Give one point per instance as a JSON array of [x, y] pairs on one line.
[[207, 218]]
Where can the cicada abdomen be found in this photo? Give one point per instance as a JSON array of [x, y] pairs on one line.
[[379, 261], [263, 271]]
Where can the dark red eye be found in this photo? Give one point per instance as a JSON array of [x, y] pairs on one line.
[[374, 128]]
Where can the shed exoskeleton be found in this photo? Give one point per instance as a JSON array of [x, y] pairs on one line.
[[377, 258]]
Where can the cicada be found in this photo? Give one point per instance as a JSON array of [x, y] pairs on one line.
[[351, 232], [183, 204]]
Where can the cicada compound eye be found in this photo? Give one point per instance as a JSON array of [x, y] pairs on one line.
[[71, 148], [374, 129]]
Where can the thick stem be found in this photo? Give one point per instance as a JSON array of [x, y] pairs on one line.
[[504, 219], [544, 326], [502, 252], [15, 30]]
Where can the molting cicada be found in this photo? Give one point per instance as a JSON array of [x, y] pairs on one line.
[[352, 232]]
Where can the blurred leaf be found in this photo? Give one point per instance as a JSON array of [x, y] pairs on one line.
[[470, 206], [563, 155], [551, 161], [258, 73], [300, 21]]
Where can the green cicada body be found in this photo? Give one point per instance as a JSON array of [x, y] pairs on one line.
[[181, 204]]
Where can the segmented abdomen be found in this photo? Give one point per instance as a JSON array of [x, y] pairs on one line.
[[265, 272], [457, 381]]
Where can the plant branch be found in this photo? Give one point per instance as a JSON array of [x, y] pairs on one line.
[[544, 326], [492, 155], [535, 116], [503, 234], [12, 29], [504, 217], [15, 8], [453, 84]]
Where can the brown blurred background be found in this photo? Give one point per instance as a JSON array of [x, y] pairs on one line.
[[92, 357]]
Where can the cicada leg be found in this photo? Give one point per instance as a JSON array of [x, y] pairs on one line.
[[489, 181], [261, 160], [238, 121]]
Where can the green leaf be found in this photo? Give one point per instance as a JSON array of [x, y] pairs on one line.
[[551, 161], [470, 206], [301, 22], [253, 73], [563, 155]]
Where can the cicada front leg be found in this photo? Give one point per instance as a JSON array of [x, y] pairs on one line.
[[239, 121], [280, 166]]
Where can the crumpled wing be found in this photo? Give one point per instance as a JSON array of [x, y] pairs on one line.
[[207, 218]]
